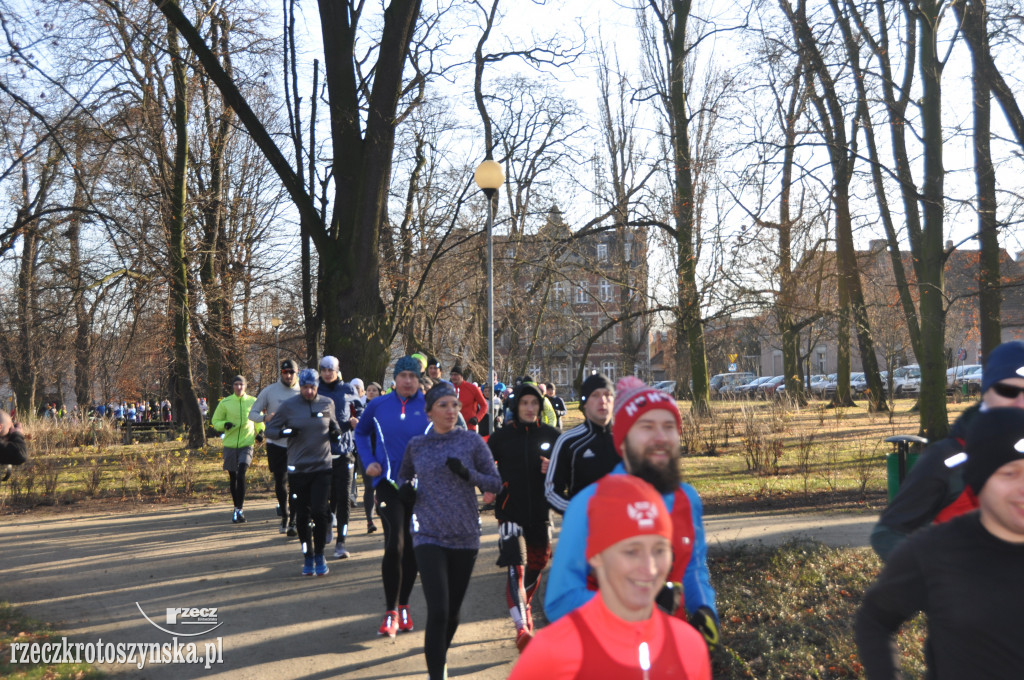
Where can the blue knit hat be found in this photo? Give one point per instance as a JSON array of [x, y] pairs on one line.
[[308, 376], [408, 363], [1005, 361]]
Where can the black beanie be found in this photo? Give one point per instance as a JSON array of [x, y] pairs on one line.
[[597, 381], [994, 438], [520, 390]]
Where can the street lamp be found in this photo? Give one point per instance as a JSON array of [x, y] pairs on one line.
[[489, 176], [276, 324]]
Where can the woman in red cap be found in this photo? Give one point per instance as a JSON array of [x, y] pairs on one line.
[[620, 633]]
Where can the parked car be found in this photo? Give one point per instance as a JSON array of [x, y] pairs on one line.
[[860, 385], [820, 388], [973, 380], [745, 390], [955, 375], [906, 380], [666, 386], [767, 389], [755, 389], [728, 380]]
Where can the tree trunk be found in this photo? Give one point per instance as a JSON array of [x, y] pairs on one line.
[[186, 405], [931, 279], [689, 312], [974, 18]]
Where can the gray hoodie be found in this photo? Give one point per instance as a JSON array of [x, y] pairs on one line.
[[309, 446], [269, 400]]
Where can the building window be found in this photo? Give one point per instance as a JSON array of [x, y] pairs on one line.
[[535, 373], [606, 290], [602, 251], [581, 292], [608, 368], [560, 375], [559, 291]]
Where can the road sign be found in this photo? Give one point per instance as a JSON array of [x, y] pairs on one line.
[[732, 368], [961, 355], [733, 358]]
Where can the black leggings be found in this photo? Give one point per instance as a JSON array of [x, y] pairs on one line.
[[309, 494], [398, 568], [340, 472], [237, 482], [277, 461], [445, 574], [367, 488]]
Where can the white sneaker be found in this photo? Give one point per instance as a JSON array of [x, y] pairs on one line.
[[340, 552]]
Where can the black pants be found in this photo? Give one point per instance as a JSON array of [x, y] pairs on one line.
[[445, 574], [398, 568], [309, 494], [341, 471], [237, 482], [277, 461], [367, 489]]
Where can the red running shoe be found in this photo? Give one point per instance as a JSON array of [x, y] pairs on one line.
[[523, 637], [404, 618], [389, 626]]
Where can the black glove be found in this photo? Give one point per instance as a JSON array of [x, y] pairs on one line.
[[473, 421], [458, 467], [228, 426], [259, 437], [704, 621], [670, 597], [333, 430], [407, 494]]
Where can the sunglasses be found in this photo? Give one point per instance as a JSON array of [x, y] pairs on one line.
[[1007, 391], [287, 370]]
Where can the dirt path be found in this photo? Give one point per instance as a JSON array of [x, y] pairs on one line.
[[85, 573]]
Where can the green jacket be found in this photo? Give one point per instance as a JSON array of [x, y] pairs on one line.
[[235, 410]]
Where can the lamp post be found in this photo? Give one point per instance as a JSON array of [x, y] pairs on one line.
[[489, 176], [276, 324]]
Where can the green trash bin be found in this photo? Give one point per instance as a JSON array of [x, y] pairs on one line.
[[900, 462]]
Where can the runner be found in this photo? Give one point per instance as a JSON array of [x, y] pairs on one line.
[[447, 465], [231, 418], [474, 406], [586, 453], [647, 429], [347, 407], [267, 403], [522, 449], [965, 574], [383, 432], [620, 633], [933, 491], [308, 423]]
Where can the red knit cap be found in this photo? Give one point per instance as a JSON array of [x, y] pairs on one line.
[[633, 398], [624, 506]]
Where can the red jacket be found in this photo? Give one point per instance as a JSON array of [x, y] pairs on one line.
[[473, 403]]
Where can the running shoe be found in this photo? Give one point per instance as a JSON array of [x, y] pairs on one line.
[[320, 565], [307, 566], [241, 515], [404, 618], [292, 531], [389, 626], [523, 637], [234, 517], [283, 529], [340, 552], [371, 527]]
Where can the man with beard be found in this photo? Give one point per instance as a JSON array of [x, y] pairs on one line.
[[646, 434]]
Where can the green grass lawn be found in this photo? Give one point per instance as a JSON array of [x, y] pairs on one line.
[[17, 628]]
